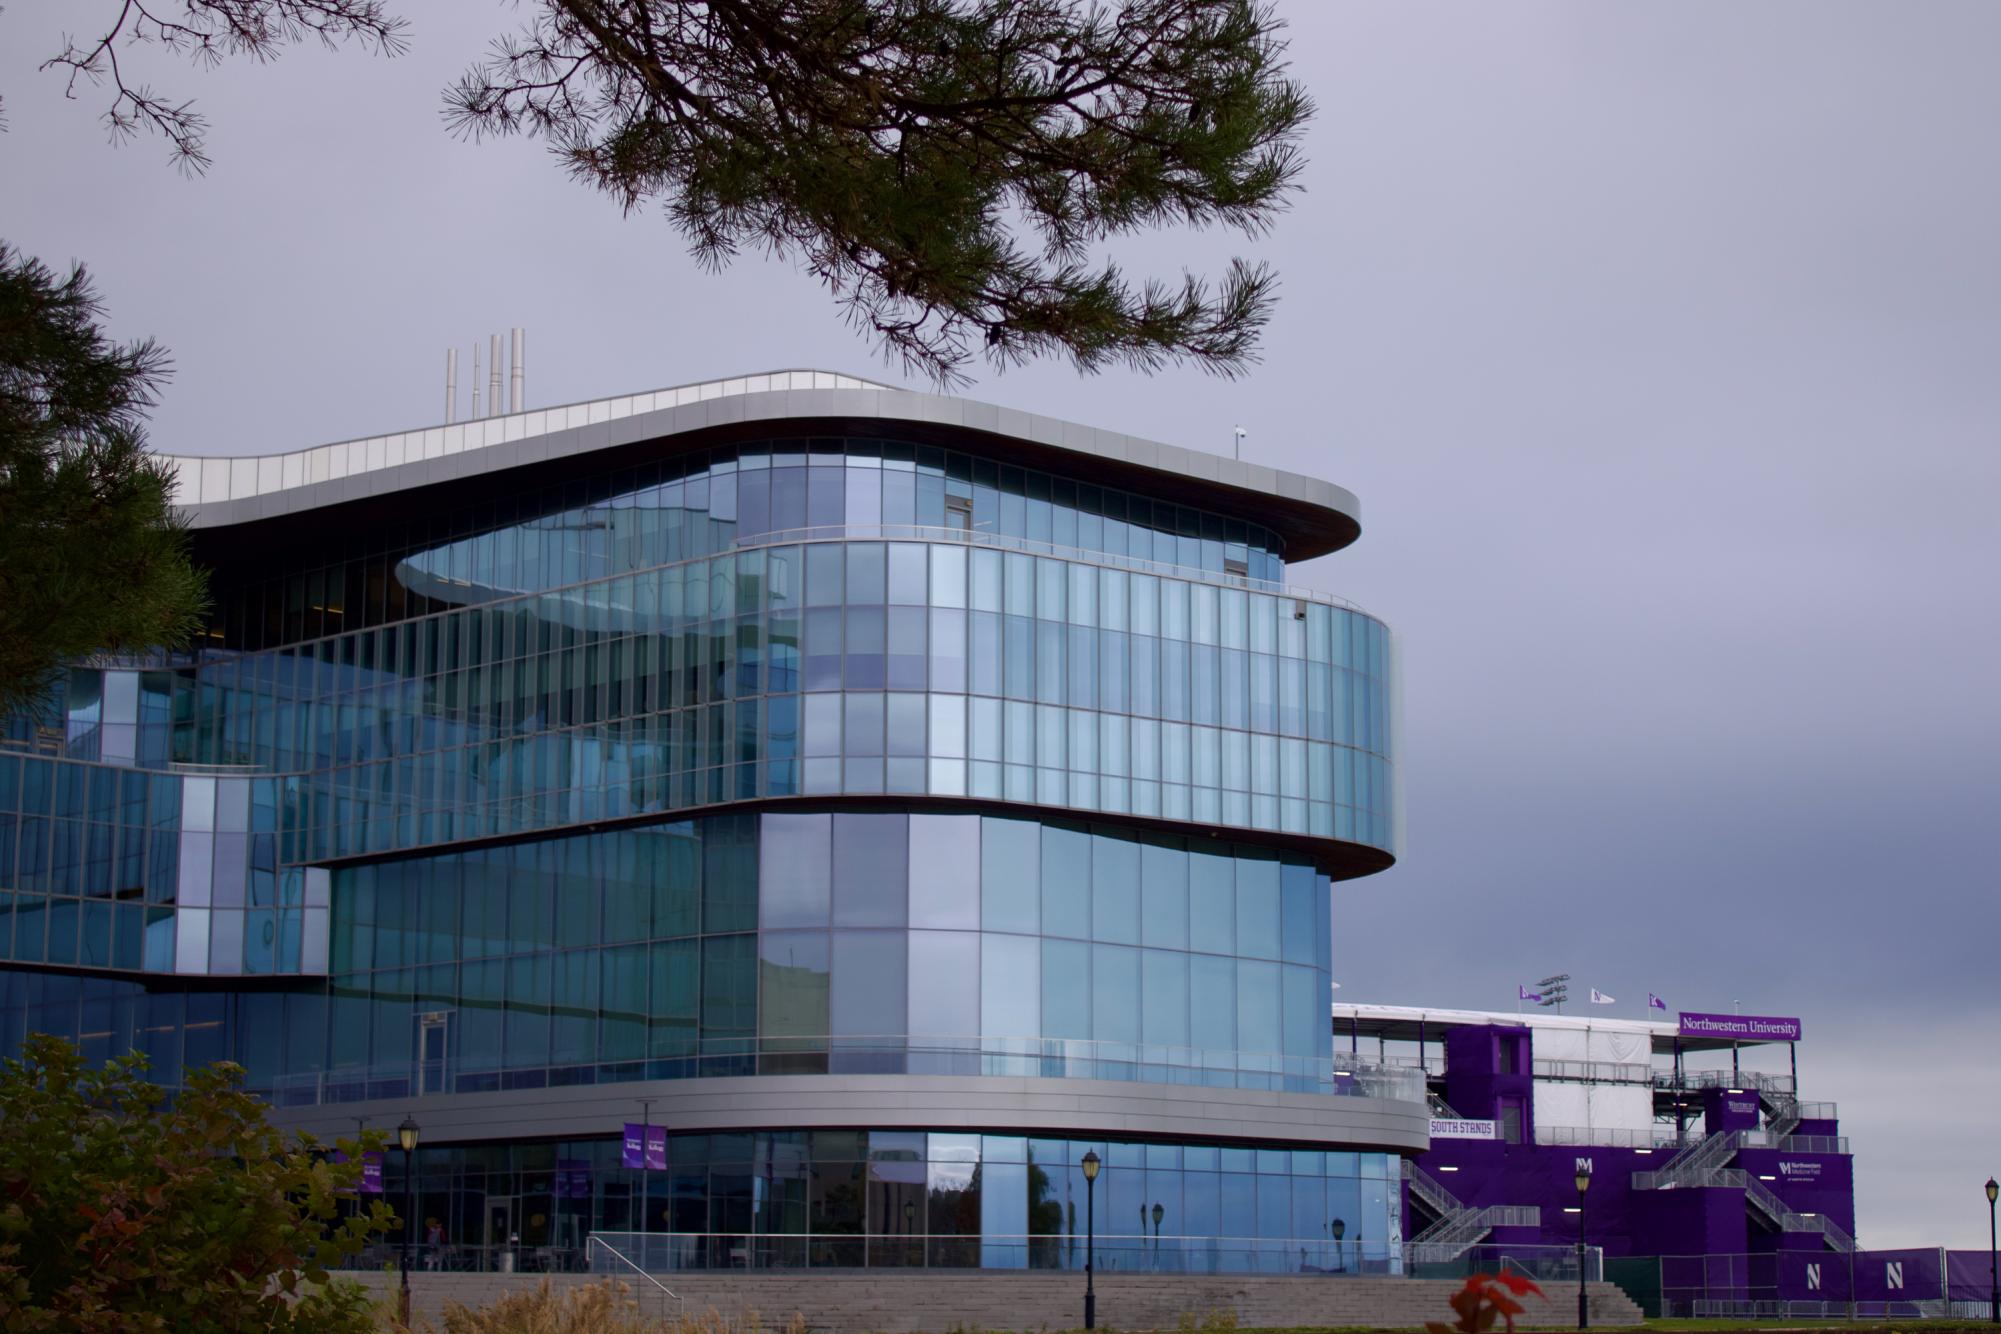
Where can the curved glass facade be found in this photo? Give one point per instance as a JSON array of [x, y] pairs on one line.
[[696, 504], [849, 1199], [844, 758], [818, 669]]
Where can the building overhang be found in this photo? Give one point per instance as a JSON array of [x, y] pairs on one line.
[[304, 495]]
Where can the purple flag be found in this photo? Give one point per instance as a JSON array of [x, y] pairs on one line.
[[654, 1153], [1524, 993], [1655, 1002]]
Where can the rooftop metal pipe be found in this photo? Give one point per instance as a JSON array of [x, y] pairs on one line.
[[517, 387]]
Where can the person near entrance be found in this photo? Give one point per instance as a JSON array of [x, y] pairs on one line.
[[434, 1244]]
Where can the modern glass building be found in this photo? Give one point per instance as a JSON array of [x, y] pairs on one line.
[[893, 796]]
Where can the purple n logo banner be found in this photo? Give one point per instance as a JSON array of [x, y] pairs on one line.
[[654, 1153], [573, 1179]]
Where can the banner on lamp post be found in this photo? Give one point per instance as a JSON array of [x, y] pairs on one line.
[[645, 1146]]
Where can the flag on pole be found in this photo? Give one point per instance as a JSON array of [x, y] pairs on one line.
[[1655, 1002], [1523, 993], [1600, 998]]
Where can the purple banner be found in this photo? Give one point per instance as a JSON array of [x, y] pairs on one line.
[[573, 1179], [655, 1154], [371, 1171], [1745, 1027]]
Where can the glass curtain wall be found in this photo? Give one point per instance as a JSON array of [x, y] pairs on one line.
[[609, 523], [846, 1199]]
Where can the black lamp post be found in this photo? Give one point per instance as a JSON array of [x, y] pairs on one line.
[[406, 1135], [1159, 1212], [1090, 1236], [1340, 1254], [1583, 1315], [1993, 1256]]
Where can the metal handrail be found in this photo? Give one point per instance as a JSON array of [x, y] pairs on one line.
[[899, 1054], [626, 1260], [1594, 1072], [1429, 1189]]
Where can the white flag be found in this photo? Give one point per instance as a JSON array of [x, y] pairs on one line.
[[1600, 998]]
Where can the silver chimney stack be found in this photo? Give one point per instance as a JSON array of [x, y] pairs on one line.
[[475, 383], [451, 385], [515, 371], [493, 377]]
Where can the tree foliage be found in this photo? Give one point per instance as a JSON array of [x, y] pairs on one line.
[[91, 557], [951, 170], [119, 1212]]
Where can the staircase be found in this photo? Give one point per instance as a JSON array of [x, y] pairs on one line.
[[1456, 1228], [1706, 1163]]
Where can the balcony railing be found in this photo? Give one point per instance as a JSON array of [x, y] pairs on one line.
[[1595, 1072], [1047, 1058]]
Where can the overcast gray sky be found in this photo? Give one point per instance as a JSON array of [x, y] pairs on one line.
[[1659, 341]]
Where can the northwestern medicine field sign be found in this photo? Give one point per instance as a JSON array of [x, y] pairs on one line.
[[1748, 1027]]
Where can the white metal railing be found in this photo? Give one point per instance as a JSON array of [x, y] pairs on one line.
[[1610, 1137], [1595, 1072], [1815, 1144], [203, 479], [623, 1263]]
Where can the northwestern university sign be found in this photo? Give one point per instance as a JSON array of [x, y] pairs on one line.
[[1748, 1027]]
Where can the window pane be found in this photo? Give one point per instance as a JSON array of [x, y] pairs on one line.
[[868, 999], [869, 875], [1257, 907], [1010, 876], [1115, 889], [1115, 997], [942, 848], [793, 986], [1066, 989], [944, 985], [1010, 987], [1166, 1000], [794, 856], [1066, 882], [1164, 896], [1212, 1002]]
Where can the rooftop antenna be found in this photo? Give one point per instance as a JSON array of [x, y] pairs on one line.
[[493, 377], [517, 374], [451, 385], [1237, 442], [475, 383]]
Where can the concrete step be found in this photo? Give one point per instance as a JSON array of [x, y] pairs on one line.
[[889, 1302]]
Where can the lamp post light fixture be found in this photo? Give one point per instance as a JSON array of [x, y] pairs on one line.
[[1159, 1212], [1993, 1256], [406, 1135], [1090, 1235], [1583, 1314], [1340, 1230]]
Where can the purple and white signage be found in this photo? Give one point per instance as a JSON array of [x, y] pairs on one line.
[[1460, 1128], [653, 1155], [1745, 1027], [371, 1173]]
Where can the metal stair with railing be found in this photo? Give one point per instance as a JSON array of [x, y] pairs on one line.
[[1706, 1163], [1457, 1227]]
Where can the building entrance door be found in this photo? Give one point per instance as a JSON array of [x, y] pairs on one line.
[[502, 1243]]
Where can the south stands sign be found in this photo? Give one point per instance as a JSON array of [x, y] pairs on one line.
[[1743, 1027]]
